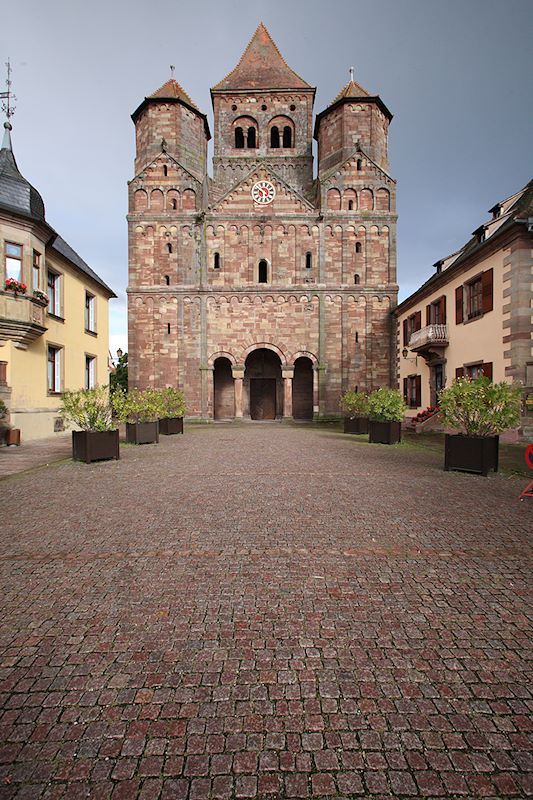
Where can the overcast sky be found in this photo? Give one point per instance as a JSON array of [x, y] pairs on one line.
[[456, 74]]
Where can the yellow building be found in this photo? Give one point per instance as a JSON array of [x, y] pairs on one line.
[[54, 327], [474, 315]]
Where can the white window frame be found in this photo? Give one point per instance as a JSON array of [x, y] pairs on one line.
[[54, 298], [90, 312], [90, 371], [36, 271], [53, 380], [13, 263]]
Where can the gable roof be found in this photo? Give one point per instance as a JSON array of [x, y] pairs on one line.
[[352, 89], [171, 89], [355, 92], [60, 246], [261, 66], [266, 171]]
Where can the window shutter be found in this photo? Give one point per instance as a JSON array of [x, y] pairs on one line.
[[459, 372], [443, 309], [486, 285], [459, 305], [57, 371], [405, 389], [487, 368], [428, 315], [405, 342], [418, 320], [418, 390]]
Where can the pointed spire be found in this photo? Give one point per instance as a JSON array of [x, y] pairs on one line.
[[352, 89], [6, 141], [171, 88], [262, 66]]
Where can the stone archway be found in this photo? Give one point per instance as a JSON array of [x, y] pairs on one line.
[[302, 388], [263, 385], [223, 389]]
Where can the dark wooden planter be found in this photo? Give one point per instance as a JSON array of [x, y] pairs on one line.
[[95, 445], [142, 432], [355, 424], [477, 454], [168, 426], [13, 437], [384, 432]]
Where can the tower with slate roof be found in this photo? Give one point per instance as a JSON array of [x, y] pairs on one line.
[[265, 291]]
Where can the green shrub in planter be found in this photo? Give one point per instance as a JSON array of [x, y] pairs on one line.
[[140, 410], [480, 410], [355, 406], [386, 410], [90, 410], [172, 411]]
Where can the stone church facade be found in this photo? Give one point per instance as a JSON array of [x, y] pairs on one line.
[[262, 292]]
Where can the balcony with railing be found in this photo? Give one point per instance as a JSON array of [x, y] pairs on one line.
[[429, 338], [22, 317]]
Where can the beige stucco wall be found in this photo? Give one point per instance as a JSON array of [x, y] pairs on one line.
[[477, 340], [32, 408]]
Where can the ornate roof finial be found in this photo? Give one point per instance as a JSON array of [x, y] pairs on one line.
[[172, 68], [7, 97], [351, 73]]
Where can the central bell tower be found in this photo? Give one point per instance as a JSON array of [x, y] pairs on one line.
[[263, 113]]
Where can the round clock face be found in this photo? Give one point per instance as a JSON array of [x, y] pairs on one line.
[[263, 192]]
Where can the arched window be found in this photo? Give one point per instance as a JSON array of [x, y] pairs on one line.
[[251, 139], [287, 136], [350, 205], [274, 136], [216, 261], [359, 165], [167, 280], [174, 204], [165, 170], [169, 247], [239, 138], [356, 279], [358, 247], [262, 276], [308, 260]]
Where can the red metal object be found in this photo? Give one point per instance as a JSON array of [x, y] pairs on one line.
[[528, 455]]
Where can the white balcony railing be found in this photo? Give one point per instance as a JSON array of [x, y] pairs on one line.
[[431, 334]]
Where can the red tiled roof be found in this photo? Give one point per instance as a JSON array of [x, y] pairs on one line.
[[172, 89], [262, 66], [352, 89]]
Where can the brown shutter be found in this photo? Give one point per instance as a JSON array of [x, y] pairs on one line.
[[418, 390], [459, 305], [405, 389], [486, 285], [405, 342], [459, 372], [443, 309], [487, 368], [418, 320], [428, 315]]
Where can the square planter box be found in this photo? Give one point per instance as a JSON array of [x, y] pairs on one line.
[[171, 425], [384, 432], [91, 446], [477, 454], [13, 437], [142, 432], [356, 425]]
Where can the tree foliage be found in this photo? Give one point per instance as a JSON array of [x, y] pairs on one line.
[[479, 407], [119, 378]]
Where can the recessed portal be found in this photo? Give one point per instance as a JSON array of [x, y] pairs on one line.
[[224, 391], [302, 389], [264, 384]]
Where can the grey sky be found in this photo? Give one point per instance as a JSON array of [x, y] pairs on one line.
[[456, 74]]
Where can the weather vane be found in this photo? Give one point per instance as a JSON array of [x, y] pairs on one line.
[[351, 73], [172, 68], [7, 97]]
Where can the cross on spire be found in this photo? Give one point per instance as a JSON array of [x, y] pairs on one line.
[[7, 97], [351, 70], [172, 68]]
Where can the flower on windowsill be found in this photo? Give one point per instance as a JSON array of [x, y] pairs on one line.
[[11, 285], [41, 297]]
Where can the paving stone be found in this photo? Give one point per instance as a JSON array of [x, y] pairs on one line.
[[264, 611]]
